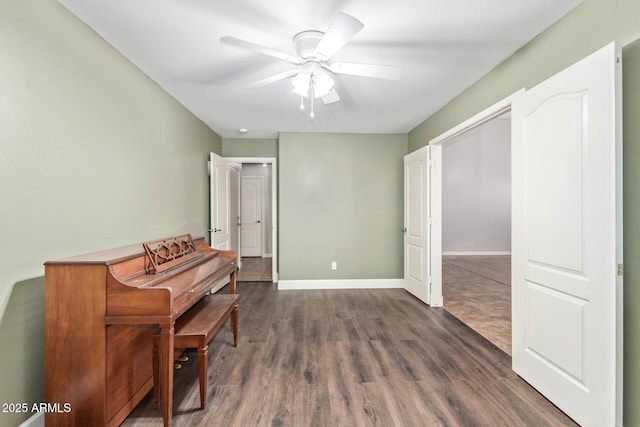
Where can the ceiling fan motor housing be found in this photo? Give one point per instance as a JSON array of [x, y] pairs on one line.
[[305, 43]]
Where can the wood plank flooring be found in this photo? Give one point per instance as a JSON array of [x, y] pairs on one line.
[[477, 290], [351, 358], [255, 269]]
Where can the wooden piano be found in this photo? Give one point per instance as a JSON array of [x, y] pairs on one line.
[[101, 310]]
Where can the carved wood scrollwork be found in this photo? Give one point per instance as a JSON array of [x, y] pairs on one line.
[[166, 253]]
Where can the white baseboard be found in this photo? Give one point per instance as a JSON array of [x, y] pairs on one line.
[[36, 420], [341, 284], [475, 253]]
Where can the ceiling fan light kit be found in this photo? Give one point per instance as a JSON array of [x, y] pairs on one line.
[[312, 77], [314, 50]]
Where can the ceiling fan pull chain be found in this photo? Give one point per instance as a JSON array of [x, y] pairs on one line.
[[301, 103]]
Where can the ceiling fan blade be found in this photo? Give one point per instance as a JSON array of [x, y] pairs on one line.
[[260, 49], [331, 97], [387, 72], [273, 79], [341, 30]]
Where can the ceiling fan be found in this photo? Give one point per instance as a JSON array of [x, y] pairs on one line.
[[314, 50]]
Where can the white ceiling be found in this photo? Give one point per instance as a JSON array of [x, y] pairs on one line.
[[444, 46]]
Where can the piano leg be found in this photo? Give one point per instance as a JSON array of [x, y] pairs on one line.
[[166, 372], [232, 282]]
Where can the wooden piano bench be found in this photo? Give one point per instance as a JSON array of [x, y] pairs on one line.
[[195, 329]]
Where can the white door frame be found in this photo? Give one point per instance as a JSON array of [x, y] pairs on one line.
[[274, 205], [486, 115], [234, 196]]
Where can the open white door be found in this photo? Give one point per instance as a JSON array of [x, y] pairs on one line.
[[567, 245], [416, 224], [235, 194], [219, 187]]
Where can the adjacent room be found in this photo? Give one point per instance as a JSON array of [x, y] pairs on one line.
[[206, 220], [476, 231]]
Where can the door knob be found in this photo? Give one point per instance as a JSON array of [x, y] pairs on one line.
[[258, 222]]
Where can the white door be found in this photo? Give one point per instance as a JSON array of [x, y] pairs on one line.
[[220, 202], [416, 223], [567, 216], [251, 216], [235, 173]]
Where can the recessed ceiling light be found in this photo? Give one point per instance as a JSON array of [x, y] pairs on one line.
[[243, 131]]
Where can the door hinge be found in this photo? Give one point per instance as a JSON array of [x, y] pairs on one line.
[[620, 269]]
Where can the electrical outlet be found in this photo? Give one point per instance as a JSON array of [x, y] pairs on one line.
[[334, 265]]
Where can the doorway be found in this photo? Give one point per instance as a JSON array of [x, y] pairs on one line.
[[476, 229], [258, 219], [566, 234]]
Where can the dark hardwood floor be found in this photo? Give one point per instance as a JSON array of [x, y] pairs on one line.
[[351, 358]]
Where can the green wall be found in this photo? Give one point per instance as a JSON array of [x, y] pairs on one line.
[[246, 147], [631, 225], [590, 26], [340, 199], [93, 154]]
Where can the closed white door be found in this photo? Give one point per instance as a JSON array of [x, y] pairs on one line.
[[567, 217], [416, 224], [251, 216], [219, 187]]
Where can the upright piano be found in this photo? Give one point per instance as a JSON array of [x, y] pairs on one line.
[[101, 310]]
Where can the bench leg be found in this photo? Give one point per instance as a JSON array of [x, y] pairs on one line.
[[203, 353], [234, 325]]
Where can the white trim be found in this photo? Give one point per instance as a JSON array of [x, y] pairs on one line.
[[274, 204], [341, 284], [476, 253], [496, 110], [36, 420]]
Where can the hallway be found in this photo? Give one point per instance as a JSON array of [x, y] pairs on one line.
[[255, 269]]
